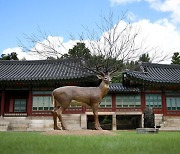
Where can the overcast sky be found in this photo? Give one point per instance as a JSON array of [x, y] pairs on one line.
[[159, 20]]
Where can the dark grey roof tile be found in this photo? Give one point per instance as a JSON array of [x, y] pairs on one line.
[[119, 88], [42, 70], [157, 73]]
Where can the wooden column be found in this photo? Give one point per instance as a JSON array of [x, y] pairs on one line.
[[29, 103], [143, 105], [2, 102], [83, 108], [113, 102], [143, 101], [114, 127], [164, 109]]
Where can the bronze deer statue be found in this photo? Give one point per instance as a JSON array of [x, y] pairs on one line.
[[92, 96]]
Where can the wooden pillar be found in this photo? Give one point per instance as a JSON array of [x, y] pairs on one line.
[[83, 108], [143, 101], [164, 109], [113, 102], [2, 102], [143, 105], [29, 103]]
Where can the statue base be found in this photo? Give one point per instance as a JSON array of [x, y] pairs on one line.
[[147, 130]]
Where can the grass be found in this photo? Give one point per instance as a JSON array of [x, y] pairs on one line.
[[123, 143]]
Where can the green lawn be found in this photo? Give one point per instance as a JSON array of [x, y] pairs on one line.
[[124, 142]]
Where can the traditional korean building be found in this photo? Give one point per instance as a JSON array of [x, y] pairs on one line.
[[26, 86], [159, 86]]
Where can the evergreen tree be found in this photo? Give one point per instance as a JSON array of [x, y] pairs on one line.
[[144, 58], [176, 58], [11, 56], [78, 51]]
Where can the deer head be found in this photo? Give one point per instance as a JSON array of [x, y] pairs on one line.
[[106, 78]]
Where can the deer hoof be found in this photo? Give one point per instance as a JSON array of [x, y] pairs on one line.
[[64, 128], [98, 128], [57, 128]]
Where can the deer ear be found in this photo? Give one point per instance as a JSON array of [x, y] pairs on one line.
[[100, 76]]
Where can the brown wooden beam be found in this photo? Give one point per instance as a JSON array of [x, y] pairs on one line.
[[113, 102], [29, 103], [83, 108], [164, 109], [143, 101], [2, 102]]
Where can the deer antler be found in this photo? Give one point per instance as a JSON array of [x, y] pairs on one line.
[[113, 71], [96, 70]]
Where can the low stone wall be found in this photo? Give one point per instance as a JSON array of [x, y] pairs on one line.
[[158, 119], [72, 121], [76, 122], [170, 123], [3, 125]]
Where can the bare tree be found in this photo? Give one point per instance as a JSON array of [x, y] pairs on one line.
[[113, 43], [43, 45], [116, 44]]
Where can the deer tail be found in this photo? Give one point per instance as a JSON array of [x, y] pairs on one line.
[[53, 100]]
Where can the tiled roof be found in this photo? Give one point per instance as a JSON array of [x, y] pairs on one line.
[[50, 70], [119, 88], [156, 73], [42, 70]]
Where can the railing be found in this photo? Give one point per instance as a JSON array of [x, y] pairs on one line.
[[41, 113], [15, 114], [173, 112]]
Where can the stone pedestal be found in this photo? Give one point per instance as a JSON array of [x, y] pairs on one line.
[[147, 130]]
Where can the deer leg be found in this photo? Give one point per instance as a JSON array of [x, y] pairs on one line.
[[54, 114], [59, 115], [95, 111]]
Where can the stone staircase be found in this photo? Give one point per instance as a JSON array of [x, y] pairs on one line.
[[72, 121], [3, 124], [158, 119], [170, 123], [167, 123]]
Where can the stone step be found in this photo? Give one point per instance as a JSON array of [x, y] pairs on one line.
[[172, 125], [40, 125], [18, 127], [169, 129], [4, 125], [72, 122]]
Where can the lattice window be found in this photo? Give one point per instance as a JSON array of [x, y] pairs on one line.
[[106, 102], [128, 101], [154, 100], [41, 103], [173, 103], [20, 105]]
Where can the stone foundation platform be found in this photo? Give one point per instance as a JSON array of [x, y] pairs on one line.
[[147, 130]]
